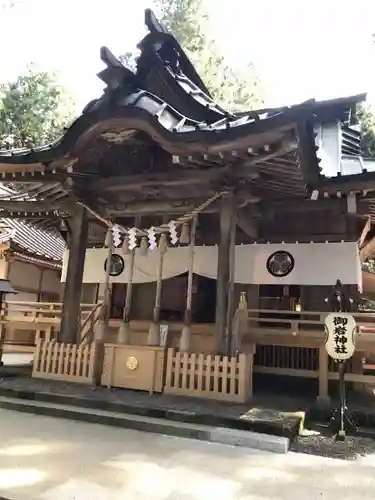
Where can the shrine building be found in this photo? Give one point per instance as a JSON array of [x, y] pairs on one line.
[[201, 212]]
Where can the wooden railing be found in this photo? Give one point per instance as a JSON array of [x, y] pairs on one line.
[[65, 362], [292, 343], [35, 320], [38, 311], [305, 328], [209, 376]]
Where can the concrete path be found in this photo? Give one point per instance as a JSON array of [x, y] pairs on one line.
[[43, 458]]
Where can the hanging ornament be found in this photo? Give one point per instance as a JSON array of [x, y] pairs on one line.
[[116, 235], [173, 232], [163, 243], [108, 239], [132, 238], [151, 238], [143, 247], [125, 246], [185, 236]]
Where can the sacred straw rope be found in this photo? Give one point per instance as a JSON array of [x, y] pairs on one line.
[[160, 229]]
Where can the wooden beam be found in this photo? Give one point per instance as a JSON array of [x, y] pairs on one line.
[[246, 222], [270, 207], [347, 183], [368, 250], [157, 208], [173, 178], [42, 176], [176, 206], [365, 231], [31, 206], [351, 203], [6, 214], [243, 168], [69, 328], [131, 182]]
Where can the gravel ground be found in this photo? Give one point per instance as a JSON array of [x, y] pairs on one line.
[[326, 446]]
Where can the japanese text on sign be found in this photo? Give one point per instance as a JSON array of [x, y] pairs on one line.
[[340, 335]]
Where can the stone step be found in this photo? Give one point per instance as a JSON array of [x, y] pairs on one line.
[[222, 435], [259, 420]]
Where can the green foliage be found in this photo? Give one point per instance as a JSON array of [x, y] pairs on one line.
[[188, 21], [129, 59], [33, 110], [366, 118], [369, 265]]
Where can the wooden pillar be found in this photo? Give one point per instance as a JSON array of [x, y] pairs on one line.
[[230, 299], [73, 286], [101, 326], [185, 339], [4, 274], [225, 258]]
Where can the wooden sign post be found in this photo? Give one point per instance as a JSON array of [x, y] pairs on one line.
[[340, 330]]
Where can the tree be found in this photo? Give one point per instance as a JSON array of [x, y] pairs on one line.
[[34, 109], [188, 21], [369, 265], [366, 118], [129, 59]]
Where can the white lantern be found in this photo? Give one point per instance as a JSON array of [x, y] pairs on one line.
[[340, 335]]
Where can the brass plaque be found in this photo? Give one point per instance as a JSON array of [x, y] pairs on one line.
[[132, 363]]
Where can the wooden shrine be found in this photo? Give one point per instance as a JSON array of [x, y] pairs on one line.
[[154, 167]]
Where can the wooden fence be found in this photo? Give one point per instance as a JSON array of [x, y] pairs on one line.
[[209, 376], [65, 362], [292, 343]]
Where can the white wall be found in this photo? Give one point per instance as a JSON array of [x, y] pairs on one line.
[[328, 140], [31, 279]]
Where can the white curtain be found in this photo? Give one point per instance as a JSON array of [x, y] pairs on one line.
[[314, 264]]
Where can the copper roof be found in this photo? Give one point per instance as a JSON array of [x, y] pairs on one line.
[[26, 236], [33, 240]]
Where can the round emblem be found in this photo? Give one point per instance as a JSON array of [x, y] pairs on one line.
[[117, 265], [132, 363], [280, 264]]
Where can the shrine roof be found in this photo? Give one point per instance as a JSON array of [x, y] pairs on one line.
[[156, 134], [26, 238], [165, 106], [44, 244]]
